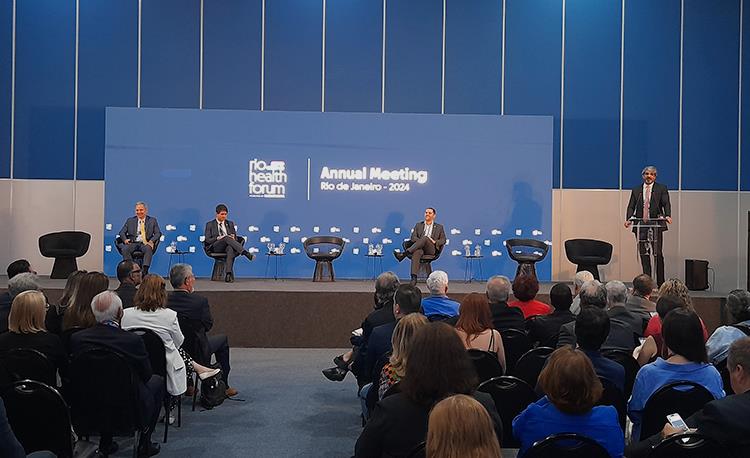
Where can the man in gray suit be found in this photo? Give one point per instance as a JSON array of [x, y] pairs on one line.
[[427, 237], [221, 237], [140, 233]]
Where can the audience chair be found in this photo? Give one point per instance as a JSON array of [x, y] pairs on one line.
[[65, 247], [220, 260], [515, 344], [425, 262], [682, 397], [526, 252], [721, 366], [688, 445], [328, 248], [137, 254], [158, 359], [103, 395], [486, 364], [511, 395], [530, 364], [626, 360], [65, 337], [39, 417], [6, 378], [612, 396], [567, 445], [418, 451], [588, 254], [27, 363]]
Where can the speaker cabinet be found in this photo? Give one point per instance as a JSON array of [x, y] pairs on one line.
[[696, 274]]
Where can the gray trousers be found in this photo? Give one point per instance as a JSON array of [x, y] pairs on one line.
[[229, 246], [420, 248], [128, 249]]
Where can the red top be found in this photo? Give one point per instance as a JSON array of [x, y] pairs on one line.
[[531, 308]]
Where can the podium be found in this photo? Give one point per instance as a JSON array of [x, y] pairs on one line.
[[646, 234]]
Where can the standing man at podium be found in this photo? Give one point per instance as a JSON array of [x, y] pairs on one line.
[[649, 202]]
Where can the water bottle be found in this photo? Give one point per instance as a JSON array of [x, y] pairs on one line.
[[467, 250], [370, 249], [173, 247], [477, 250], [379, 249]]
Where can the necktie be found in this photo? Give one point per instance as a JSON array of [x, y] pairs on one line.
[[647, 203], [142, 225], [221, 229]]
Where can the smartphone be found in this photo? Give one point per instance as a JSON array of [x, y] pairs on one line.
[[677, 422]]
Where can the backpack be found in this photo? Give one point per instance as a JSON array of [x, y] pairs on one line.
[[213, 392]]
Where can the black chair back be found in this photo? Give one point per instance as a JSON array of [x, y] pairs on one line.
[[157, 354], [515, 343], [329, 247], [39, 417], [418, 451], [103, 394], [567, 445], [486, 364], [27, 363], [588, 254], [612, 396], [526, 252], [631, 366], [721, 366], [531, 363], [65, 337], [683, 397], [688, 445], [511, 395], [196, 341], [65, 243]]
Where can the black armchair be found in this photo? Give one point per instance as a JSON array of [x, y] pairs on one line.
[[669, 399], [220, 260], [65, 247], [526, 252], [425, 262], [137, 254], [323, 249], [588, 254]]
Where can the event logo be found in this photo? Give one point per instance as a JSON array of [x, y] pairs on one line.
[[267, 179]]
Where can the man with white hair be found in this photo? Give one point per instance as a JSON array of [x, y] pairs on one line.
[[617, 296], [438, 305], [140, 233], [503, 316], [578, 281], [27, 281], [106, 333]]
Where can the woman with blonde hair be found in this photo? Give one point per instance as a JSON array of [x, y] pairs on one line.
[[79, 314], [403, 334], [475, 327], [471, 437], [26, 328], [149, 312]]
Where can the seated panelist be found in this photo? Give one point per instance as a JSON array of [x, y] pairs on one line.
[[221, 237], [140, 233]]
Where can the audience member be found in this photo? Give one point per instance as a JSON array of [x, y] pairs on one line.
[[149, 312], [675, 289], [471, 437], [654, 346], [474, 327], [578, 281], [738, 304], [617, 296], [724, 420], [14, 268], [107, 311], [78, 313], [25, 281], [437, 305], [525, 288], [403, 335], [621, 336], [503, 316], [56, 313], [639, 300], [592, 328], [26, 329], [545, 329], [194, 309], [438, 367], [572, 390], [129, 275], [385, 287], [686, 360]]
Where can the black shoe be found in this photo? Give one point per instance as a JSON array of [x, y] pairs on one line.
[[400, 255], [335, 374], [229, 278], [148, 449], [339, 362], [413, 281], [106, 450], [248, 255]]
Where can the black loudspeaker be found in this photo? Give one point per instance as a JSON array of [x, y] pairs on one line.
[[696, 274]]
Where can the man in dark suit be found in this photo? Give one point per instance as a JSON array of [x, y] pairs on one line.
[[129, 275], [107, 309], [503, 317], [6, 299], [140, 233], [221, 237], [545, 328], [617, 295], [724, 420], [650, 201], [427, 237], [592, 329], [193, 310]]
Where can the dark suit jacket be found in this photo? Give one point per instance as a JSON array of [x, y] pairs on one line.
[[438, 233], [621, 335], [5, 302], [211, 233], [658, 206], [634, 320], [378, 347], [126, 292], [129, 230], [127, 344], [376, 318], [504, 317], [724, 420], [543, 328], [195, 318]]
